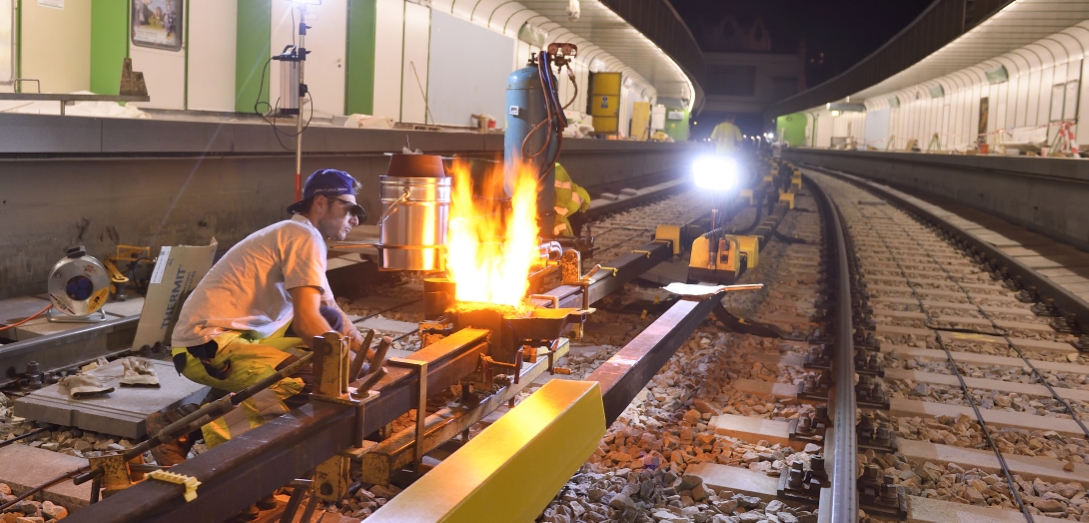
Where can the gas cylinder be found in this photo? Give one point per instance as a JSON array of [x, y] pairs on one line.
[[526, 109]]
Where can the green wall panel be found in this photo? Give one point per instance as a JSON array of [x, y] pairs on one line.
[[109, 44], [253, 52], [677, 129], [359, 76], [792, 129]]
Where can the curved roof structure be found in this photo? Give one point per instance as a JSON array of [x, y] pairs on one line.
[[646, 40], [934, 44]]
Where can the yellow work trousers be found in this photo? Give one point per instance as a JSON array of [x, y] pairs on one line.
[[250, 361]]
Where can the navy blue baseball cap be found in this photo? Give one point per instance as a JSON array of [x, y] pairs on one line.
[[330, 183]]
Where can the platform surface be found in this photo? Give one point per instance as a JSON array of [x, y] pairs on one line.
[[122, 412]]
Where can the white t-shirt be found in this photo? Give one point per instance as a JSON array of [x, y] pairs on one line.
[[247, 290]]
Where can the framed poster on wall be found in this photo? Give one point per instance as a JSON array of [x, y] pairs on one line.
[[157, 23]]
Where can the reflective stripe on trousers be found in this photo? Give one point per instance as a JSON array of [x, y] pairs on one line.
[[250, 362]]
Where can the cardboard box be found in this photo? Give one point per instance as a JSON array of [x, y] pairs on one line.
[[177, 272]]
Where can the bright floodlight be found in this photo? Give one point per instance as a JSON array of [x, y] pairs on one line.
[[715, 172]]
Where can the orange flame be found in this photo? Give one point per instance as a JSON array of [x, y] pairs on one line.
[[491, 248]]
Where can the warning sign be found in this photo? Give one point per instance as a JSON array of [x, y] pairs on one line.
[[604, 102]]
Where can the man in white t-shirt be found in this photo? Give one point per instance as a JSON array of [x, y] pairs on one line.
[[261, 305]]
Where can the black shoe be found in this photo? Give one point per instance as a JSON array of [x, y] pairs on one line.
[[174, 452], [268, 503], [249, 514]]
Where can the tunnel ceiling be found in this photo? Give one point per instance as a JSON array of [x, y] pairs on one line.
[[645, 38], [949, 36], [1018, 25]]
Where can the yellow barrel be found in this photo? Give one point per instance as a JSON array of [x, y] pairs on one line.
[[605, 102]]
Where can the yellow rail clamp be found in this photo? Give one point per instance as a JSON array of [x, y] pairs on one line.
[[672, 233], [747, 193], [189, 482], [796, 181], [769, 178], [750, 245], [515, 467], [787, 197]]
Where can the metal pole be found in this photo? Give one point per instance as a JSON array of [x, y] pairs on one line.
[[302, 99]]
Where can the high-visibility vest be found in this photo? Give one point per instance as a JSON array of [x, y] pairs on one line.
[[569, 199], [726, 136]]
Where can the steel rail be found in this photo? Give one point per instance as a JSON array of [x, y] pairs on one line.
[[845, 458], [1065, 300], [255, 463], [248, 467], [629, 370], [67, 349]]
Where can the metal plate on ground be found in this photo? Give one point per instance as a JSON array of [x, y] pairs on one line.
[[124, 309]]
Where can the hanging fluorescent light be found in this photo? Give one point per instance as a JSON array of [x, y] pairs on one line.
[[842, 107]]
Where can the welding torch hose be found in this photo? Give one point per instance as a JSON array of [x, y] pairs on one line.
[[543, 73], [555, 117], [201, 416]]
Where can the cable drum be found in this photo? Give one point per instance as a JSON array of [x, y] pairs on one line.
[[78, 285]]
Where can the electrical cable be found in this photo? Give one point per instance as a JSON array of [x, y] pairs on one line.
[[273, 109], [35, 432], [28, 318], [755, 221]]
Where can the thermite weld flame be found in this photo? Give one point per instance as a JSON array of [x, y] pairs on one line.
[[492, 239]]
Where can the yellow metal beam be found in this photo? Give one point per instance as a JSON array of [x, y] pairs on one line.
[[513, 469]]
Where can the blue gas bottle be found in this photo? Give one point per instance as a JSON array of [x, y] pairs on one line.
[[525, 109]]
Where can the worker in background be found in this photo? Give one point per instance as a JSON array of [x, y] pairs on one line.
[[259, 307], [570, 199], [726, 137]]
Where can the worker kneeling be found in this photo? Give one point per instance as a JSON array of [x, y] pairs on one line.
[[261, 306], [570, 199]]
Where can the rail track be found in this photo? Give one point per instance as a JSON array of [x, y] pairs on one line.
[[915, 386], [998, 438]]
